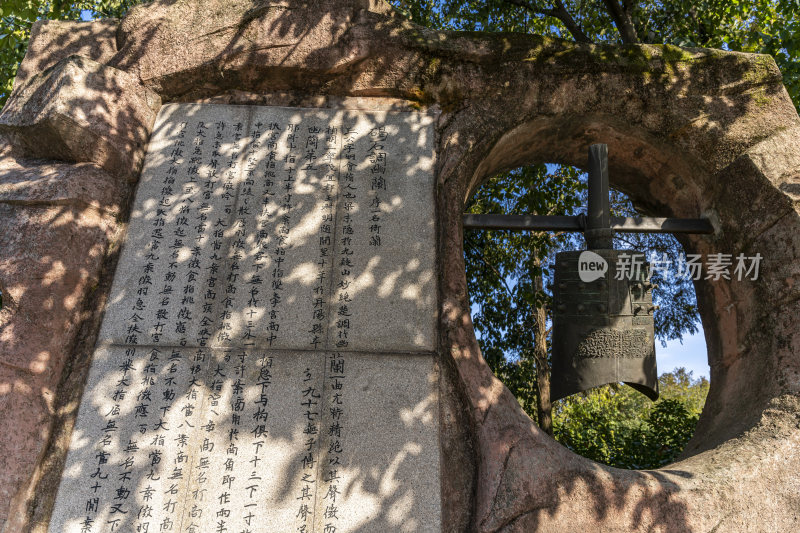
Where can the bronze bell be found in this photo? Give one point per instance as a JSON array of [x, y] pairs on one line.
[[602, 328]]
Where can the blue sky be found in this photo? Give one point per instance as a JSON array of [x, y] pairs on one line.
[[692, 355]]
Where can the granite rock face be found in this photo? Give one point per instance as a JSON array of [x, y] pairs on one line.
[[54, 40], [82, 111], [698, 132], [216, 45], [58, 220]]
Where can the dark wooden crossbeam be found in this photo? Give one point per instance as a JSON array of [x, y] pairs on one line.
[[578, 223], [597, 222]]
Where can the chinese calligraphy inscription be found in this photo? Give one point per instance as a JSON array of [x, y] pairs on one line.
[[266, 359]]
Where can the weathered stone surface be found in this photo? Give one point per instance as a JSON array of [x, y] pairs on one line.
[[32, 182], [26, 401], [267, 44], [299, 99], [689, 132], [82, 111], [381, 216], [54, 40], [50, 257], [330, 213], [666, 178], [46, 266]]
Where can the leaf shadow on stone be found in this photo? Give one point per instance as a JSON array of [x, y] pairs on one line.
[[676, 132]]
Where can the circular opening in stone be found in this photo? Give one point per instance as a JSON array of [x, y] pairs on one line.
[[510, 277]]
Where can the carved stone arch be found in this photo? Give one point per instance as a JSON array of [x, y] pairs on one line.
[[667, 180], [743, 177]]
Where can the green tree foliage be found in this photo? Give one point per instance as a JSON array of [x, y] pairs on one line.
[[503, 267], [17, 18], [617, 426]]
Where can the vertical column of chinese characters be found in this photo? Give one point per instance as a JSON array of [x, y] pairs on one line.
[[258, 444], [144, 516], [330, 472], [98, 478], [310, 402], [153, 256], [178, 245], [329, 166], [141, 411], [184, 441], [309, 168], [210, 221], [184, 231], [348, 193], [335, 433], [286, 186], [161, 484], [266, 219], [247, 209], [236, 233], [177, 445], [120, 507], [376, 154], [204, 493], [229, 384]]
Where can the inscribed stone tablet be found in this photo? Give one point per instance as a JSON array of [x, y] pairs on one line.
[[191, 440], [282, 228], [384, 284], [266, 359]]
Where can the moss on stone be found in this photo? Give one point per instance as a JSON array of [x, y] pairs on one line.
[[762, 70], [449, 98], [759, 96], [654, 62], [432, 68], [419, 98]]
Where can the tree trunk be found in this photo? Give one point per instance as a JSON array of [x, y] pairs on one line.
[[544, 407]]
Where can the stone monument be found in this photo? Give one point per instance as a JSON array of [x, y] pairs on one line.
[[266, 357], [233, 279]]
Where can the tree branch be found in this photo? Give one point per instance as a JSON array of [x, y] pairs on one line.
[[558, 11], [561, 13], [483, 260], [622, 20]]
